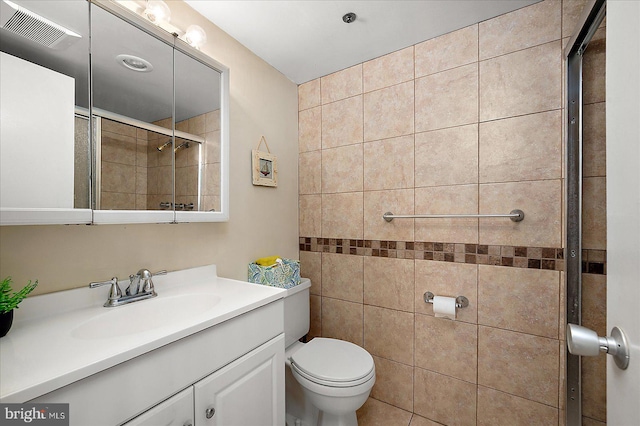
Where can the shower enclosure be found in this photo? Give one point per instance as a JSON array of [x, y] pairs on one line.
[[585, 248]]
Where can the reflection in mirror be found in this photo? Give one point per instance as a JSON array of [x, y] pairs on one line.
[[45, 80], [131, 70], [198, 114], [82, 163], [133, 175], [135, 155], [132, 74], [159, 171], [188, 157]]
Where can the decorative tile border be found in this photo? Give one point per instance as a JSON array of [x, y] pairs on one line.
[[594, 261]]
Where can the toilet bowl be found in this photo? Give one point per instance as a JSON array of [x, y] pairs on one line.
[[336, 377], [327, 380]]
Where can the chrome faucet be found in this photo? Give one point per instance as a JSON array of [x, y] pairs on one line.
[[140, 288]]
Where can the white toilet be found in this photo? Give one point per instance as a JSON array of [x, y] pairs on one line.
[[327, 380]]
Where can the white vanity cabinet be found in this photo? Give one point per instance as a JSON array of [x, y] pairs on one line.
[[245, 392], [175, 411], [235, 367]]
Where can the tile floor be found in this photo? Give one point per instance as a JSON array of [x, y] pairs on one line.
[[377, 413]]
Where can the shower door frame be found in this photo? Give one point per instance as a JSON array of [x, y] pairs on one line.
[[590, 20]]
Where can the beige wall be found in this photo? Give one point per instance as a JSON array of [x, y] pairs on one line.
[[263, 220], [469, 122]]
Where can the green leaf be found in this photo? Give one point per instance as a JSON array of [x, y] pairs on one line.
[[9, 301]]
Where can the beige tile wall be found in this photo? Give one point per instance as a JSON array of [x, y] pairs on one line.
[[159, 167], [136, 176], [469, 122], [207, 126], [123, 167]]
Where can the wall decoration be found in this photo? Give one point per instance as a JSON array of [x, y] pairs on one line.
[[265, 166]]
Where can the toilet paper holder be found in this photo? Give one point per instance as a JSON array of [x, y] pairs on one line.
[[461, 301]]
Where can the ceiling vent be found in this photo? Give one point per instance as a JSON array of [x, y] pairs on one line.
[[34, 27]]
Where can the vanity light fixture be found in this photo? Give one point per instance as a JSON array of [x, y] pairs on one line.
[[157, 11], [195, 36], [134, 63]]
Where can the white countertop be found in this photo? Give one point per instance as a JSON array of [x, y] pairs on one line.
[[47, 347]]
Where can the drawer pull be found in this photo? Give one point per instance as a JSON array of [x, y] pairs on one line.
[[210, 412]]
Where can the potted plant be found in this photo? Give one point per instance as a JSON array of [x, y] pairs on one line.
[[9, 302]]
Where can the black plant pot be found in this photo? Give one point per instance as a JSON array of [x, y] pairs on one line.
[[6, 319]]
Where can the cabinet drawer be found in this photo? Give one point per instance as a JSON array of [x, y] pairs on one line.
[[175, 411]]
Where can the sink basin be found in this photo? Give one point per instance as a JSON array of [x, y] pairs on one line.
[[144, 315]]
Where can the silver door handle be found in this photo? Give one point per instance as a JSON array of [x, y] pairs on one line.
[[583, 341]]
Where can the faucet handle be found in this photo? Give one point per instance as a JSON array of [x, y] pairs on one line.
[[145, 277], [114, 292]]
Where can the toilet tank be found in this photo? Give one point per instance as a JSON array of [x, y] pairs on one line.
[[296, 312]]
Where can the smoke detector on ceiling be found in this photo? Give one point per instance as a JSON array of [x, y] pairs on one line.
[[30, 25]]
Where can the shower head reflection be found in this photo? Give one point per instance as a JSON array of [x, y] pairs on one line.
[[181, 146], [163, 146]]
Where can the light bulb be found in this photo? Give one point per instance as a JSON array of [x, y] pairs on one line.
[[157, 11], [195, 36]]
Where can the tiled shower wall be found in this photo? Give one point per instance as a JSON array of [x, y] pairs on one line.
[[469, 122], [206, 125], [123, 166], [136, 176]]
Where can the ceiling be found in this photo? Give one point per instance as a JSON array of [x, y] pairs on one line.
[[307, 39]]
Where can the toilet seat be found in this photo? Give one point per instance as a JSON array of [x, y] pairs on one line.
[[333, 384], [333, 363]]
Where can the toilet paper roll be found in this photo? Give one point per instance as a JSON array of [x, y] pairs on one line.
[[444, 307]]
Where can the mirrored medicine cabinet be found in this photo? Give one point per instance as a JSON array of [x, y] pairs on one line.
[[107, 119]]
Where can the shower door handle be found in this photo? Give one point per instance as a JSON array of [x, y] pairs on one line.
[[583, 341]]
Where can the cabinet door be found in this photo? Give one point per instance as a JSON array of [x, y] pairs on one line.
[[175, 411], [249, 391]]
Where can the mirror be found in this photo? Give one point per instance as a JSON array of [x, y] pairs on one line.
[[44, 141], [132, 77], [158, 102], [134, 162], [197, 114]]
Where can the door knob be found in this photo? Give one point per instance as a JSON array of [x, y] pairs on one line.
[[583, 341]]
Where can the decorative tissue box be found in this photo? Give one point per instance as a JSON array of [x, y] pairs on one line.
[[285, 274]]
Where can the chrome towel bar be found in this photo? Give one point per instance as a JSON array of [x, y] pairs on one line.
[[514, 215]]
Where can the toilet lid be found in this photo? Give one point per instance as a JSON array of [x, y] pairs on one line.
[[333, 360]]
